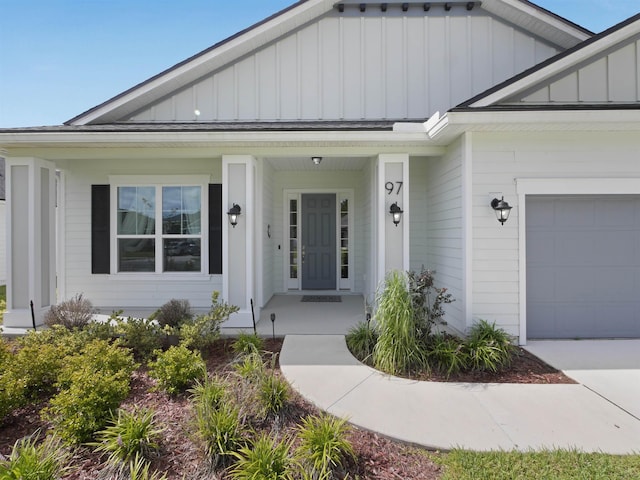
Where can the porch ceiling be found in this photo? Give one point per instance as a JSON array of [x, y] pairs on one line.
[[328, 163]]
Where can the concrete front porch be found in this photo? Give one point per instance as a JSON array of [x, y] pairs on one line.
[[293, 316]]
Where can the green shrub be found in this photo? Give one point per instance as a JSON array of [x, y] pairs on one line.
[[129, 434], [221, 429], [12, 394], [489, 347], [323, 444], [92, 384], [265, 459], [177, 368], [398, 349], [201, 332], [247, 343], [449, 355], [173, 313], [361, 341], [30, 460], [76, 312], [142, 336], [273, 393]]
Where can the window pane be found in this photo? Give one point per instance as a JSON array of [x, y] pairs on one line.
[[136, 210], [181, 210], [136, 255], [182, 255]]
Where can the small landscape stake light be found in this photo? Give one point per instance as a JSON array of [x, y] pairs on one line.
[[273, 326]]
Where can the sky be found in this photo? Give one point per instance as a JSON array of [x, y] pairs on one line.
[[59, 58]]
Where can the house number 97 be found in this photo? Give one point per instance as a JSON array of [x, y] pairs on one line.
[[391, 186]]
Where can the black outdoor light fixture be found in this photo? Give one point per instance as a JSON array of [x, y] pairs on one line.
[[233, 213], [316, 160], [502, 209], [396, 212]]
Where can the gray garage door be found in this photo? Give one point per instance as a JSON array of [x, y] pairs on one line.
[[583, 266]]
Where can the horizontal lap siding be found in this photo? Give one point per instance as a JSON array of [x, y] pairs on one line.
[[444, 230], [498, 159], [114, 291]]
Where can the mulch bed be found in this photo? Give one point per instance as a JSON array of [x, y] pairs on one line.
[[181, 455]]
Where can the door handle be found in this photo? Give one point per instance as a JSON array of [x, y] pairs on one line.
[[303, 253]]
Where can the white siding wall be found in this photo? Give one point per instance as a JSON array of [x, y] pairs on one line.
[[269, 245], [117, 291], [611, 78], [418, 175], [500, 158], [445, 245], [3, 242], [348, 66]]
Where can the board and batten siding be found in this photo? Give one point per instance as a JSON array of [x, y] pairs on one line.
[[145, 291], [445, 246], [614, 77], [500, 159], [359, 67]]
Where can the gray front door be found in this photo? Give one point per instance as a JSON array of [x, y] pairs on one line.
[[318, 241]]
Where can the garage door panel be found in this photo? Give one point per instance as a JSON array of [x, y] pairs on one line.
[[583, 266]]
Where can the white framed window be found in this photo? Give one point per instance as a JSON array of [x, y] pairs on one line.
[[158, 227]]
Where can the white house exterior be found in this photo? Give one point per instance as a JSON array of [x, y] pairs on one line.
[[437, 107]]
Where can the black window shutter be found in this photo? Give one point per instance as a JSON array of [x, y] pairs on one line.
[[100, 234], [215, 228]]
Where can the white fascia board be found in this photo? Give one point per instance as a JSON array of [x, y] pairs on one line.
[[249, 139], [558, 66], [528, 17], [229, 50], [454, 123]]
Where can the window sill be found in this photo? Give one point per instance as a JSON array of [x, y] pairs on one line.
[[163, 277]]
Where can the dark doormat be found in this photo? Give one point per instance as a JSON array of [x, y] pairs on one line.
[[321, 298]]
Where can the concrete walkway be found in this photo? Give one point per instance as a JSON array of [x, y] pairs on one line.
[[448, 415]]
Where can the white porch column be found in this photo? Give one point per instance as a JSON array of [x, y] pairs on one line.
[[392, 187], [238, 278], [31, 259]]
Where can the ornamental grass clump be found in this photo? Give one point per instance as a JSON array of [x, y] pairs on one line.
[[34, 460], [247, 343], [129, 434], [489, 347], [323, 444], [265, 459], [398, 349], [361, 340]]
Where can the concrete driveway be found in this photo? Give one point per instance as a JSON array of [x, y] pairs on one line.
[[610, 368]]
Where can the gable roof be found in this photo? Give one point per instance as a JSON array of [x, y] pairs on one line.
[[521, 13], [566, 62]]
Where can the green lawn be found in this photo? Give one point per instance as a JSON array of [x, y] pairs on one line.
[[551, 465]]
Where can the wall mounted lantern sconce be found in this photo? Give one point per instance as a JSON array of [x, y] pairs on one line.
[[316, 160], [233, 213], [502, 209], [396, 212]]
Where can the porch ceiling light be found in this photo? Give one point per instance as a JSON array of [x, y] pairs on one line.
[[233, 213], [396, 212], [502, 209], [316, 160]]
